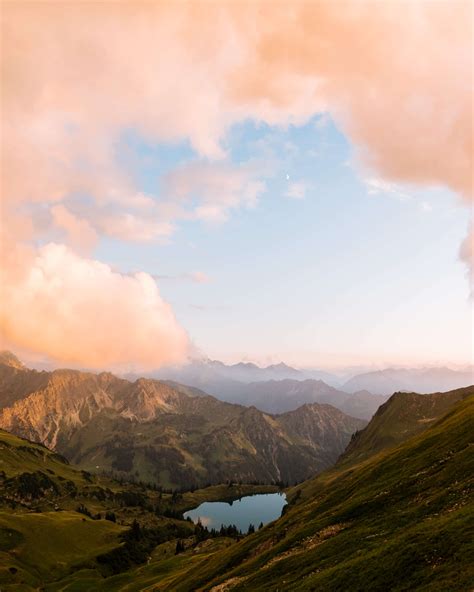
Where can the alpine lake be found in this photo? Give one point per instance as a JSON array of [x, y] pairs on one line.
[[252, 509]]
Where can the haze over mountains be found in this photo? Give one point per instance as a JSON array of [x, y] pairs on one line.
[[422, 380], [172, 435], [395, 513], [280, 388], [210, 372], [279, 396]]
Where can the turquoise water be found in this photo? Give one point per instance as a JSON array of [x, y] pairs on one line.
[[251, 509]]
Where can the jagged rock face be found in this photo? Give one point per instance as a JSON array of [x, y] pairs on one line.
[[9, 359], [56, 403], [172, 435]]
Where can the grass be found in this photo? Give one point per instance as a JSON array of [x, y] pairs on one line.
[[48, 545], [58, 550], [398, 519], [401, 520]]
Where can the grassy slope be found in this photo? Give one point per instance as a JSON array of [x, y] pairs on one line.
[[18, 455], [401, 520], [48, 545], [57, 550], [174, 437], [403, 416]]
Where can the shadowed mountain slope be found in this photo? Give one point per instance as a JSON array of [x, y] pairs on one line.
[[403, 416], [401, 520], [176, 437]]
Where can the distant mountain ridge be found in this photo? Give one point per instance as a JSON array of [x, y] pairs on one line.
[[399, 519], [281, 396], [422, 380], [280, 388], [169, 434], [213, 374]]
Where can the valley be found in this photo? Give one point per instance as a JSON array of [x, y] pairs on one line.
[[396, 510], [169, 435], [236, 296]]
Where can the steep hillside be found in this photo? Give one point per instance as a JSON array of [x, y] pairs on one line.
[[57, 522], [424, 380], [173, 436], [212, 442], [402, 416], [402, 520]]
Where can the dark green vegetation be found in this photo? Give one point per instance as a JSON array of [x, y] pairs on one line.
[[59, 522], [400, 520], [395, 514], [405, 415], [172, 436]]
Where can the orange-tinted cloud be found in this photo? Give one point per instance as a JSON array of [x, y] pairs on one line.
[[77, 310], [79, 231], [396, 76], [218, 188]]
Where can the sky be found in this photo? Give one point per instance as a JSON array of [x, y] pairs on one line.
[[240, 182]]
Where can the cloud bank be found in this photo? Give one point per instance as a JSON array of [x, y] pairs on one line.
[[396, 76], [80, 311]]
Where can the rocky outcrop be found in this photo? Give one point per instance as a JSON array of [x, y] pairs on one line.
[[174, 436]]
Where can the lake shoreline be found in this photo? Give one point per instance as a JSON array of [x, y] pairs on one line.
[[222, 493], [244, 514]]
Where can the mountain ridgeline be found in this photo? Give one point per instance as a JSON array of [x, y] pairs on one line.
[[396, 511], [279, 388], [280, 396], [419, 380], [394, 514], [171, 435]]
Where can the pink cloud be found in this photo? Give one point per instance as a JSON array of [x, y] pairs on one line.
[[217, 188], [77, 310], [79, 231], [396, 76]]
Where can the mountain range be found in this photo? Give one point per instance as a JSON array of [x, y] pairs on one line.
[[280, 396], [204, 372], [419, 380], [280, 388], [171, 435], [395, 513]]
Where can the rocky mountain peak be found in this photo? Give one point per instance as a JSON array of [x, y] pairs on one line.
[[9, 359]]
